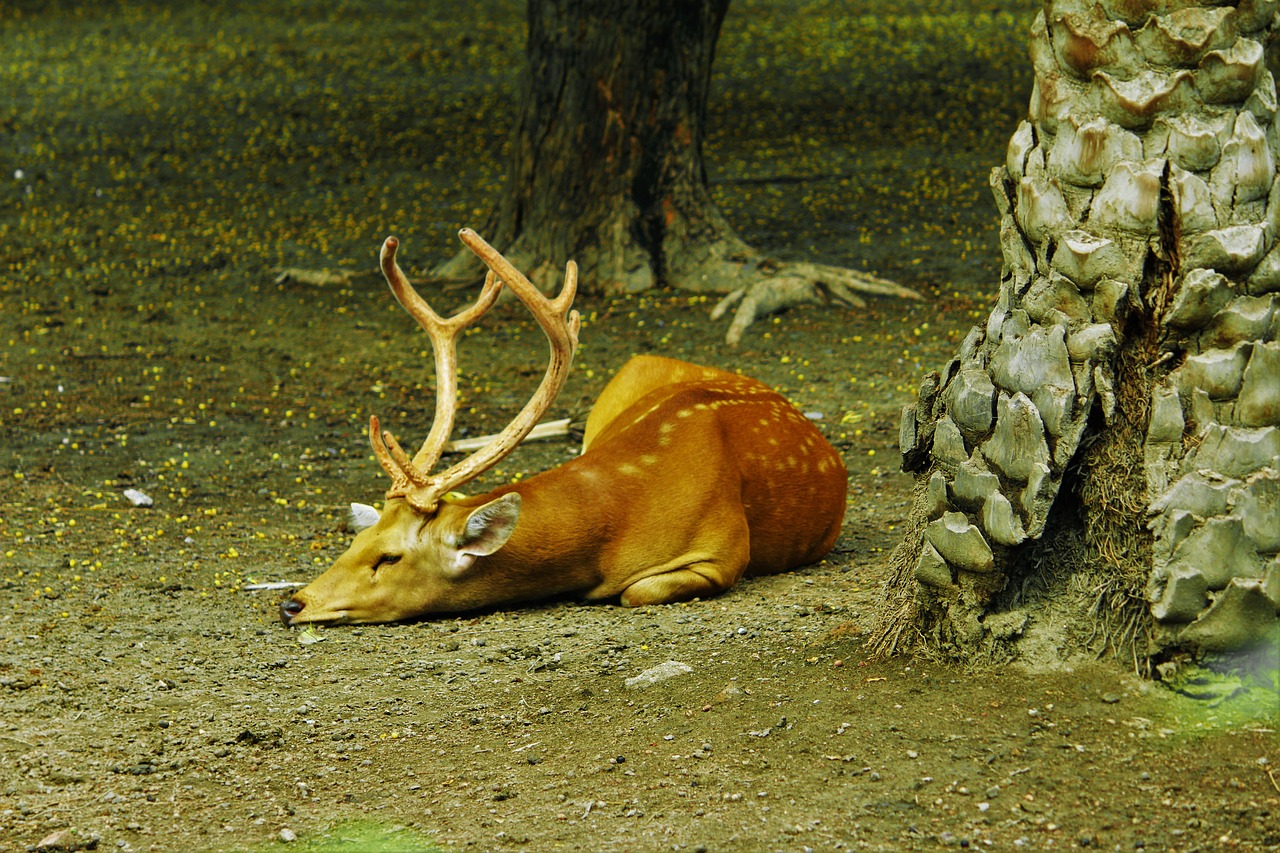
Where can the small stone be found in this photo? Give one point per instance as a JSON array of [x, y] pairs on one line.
[[729, 693], [52, 841], [138, 498], [656, 674], [287, 835]]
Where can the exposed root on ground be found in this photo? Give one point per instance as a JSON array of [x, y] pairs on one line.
[[778, 286], [755, 286]]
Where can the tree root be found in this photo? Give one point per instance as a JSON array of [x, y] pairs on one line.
[[777, 286], [757, 286]]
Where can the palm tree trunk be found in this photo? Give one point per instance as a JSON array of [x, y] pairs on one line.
[[1098, 464]]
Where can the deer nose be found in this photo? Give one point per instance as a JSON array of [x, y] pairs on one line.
[[289, 610]]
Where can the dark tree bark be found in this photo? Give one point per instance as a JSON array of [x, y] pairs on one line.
[[607, 152], [607, 164]]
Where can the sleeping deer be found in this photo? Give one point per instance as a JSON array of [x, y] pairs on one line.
[[689, 478]]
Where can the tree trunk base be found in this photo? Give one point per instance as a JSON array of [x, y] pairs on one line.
[[757, 286], [1055, 604]]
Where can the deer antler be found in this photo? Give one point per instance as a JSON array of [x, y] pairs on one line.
[[412, 479]]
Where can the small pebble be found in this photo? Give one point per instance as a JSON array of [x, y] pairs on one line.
[[137, 498], [287, 835]]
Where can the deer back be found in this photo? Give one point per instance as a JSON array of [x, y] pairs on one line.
[[700, 443]]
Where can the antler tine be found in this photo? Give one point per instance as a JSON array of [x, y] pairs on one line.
[[444, 334], [400, 482], [562, 337]]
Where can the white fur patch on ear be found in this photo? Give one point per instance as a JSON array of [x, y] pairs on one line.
[[490, 526], [361, 517]]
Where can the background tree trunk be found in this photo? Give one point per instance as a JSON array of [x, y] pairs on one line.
[[607, 165], [607, 152], [1098, 465]]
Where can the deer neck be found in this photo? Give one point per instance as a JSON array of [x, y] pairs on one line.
[[566, 515]]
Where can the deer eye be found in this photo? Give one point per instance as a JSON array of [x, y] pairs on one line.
[[386, 560]]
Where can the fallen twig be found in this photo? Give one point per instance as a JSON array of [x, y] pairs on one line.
[[547, 429]]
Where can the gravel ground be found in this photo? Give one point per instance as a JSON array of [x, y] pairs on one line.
[[163, 163]]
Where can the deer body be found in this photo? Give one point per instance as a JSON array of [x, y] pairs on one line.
[[690, 477]]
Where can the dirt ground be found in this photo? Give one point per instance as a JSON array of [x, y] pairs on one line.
[[158, 166]]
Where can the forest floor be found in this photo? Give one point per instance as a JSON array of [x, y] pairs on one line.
[[159, 165]]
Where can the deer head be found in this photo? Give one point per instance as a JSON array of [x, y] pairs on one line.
[[415, 558]]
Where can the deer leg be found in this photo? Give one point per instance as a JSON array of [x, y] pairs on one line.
[[697, 580]]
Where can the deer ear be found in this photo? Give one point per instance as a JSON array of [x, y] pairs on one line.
[[361, 517], [489, 526]]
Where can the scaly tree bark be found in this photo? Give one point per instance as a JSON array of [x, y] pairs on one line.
[[1098, 464], [607, 165]]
